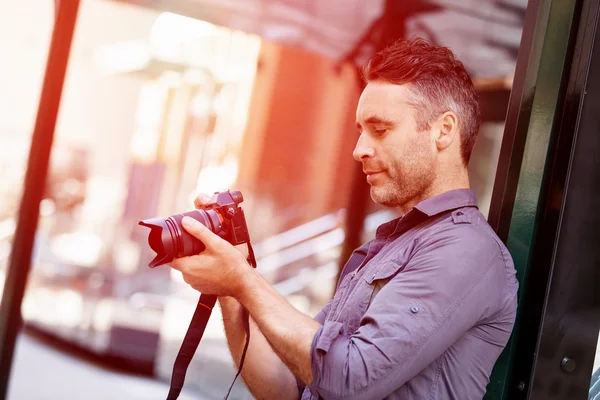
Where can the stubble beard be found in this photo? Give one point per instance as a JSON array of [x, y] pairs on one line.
[[408, 179], [407, 185], [388, 194]]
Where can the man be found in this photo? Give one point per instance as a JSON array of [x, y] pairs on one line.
[[422, 311]]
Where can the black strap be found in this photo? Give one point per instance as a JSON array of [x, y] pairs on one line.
[[194, 335], [246, 320], [190, 343]]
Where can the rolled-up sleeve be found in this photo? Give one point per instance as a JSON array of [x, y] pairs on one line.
[[443, 291]]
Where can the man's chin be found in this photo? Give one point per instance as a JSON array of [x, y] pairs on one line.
[[383, 197]]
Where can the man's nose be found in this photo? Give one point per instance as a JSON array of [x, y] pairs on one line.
[[363, 150]]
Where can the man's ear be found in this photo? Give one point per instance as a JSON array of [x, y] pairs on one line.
[[446, 130]]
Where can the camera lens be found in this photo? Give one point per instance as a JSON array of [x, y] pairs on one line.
[[170, 240]]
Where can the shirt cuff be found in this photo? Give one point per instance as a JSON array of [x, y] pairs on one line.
[[321, 343]]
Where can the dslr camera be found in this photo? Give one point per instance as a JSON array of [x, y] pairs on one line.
[[222, 215]]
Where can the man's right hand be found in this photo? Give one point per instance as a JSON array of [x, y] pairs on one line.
[[265, 375]]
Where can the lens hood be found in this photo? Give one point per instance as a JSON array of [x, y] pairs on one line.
[[160, 240]]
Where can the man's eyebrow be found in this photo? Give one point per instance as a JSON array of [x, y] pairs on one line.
[[375, 121]]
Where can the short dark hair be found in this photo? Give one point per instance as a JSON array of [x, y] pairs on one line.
[[438, 81]]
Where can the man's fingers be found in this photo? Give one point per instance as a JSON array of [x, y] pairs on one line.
[[201, 232], [177, 264], [201, 200]]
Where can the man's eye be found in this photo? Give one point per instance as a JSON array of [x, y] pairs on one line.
[[380, 131]]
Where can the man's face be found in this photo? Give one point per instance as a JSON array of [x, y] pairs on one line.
[[400, 163]]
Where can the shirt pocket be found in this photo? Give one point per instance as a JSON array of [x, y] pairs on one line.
[[379, 277], [371, 282]]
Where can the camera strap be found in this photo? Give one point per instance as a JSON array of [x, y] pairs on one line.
[[194, 335], [190, 343]]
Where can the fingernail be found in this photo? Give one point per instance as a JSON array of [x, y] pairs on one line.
[[206, 198], [188, 222]]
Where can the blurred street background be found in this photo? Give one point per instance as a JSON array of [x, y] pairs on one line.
[[166, 99], [43, 371]]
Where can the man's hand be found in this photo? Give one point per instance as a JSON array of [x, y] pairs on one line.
[[222, 270], [264, 372], [218, 270]]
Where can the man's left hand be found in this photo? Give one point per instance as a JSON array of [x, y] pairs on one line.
[[218, 270]]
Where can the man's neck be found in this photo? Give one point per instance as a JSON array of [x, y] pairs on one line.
[[440, 185]]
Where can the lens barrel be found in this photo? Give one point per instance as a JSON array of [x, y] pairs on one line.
[[170, 240]]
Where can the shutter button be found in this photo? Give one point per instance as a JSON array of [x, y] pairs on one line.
[[414, 309]]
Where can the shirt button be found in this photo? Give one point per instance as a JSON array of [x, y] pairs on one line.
[[414, 309]]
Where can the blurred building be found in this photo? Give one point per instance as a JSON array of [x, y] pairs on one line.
[[158, 106]]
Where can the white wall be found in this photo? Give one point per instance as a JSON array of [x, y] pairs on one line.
[[97, 111]]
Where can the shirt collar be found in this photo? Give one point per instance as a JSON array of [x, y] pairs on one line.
[[446, 201]]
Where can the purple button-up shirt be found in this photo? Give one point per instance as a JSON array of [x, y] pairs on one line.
[[422, 311]]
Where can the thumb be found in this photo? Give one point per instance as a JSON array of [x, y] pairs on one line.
[[201, 232]]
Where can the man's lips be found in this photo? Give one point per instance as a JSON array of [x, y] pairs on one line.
[[371, 175]]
